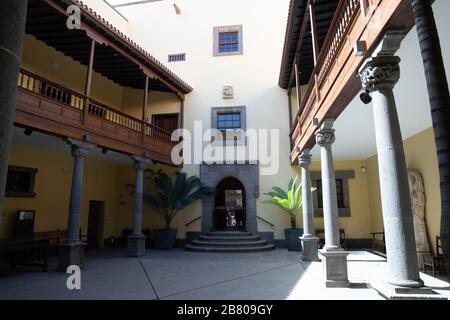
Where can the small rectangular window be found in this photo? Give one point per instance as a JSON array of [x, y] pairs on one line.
[[177, 57], [228, 40], [228, 121], [339, 193], [20, 182]]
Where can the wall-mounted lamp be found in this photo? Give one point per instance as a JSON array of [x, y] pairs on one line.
[[28, 131], [365, 97], [360, 48], [54, 64], [177, 9], [363, 168]]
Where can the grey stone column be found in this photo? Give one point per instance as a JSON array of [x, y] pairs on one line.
[[325, 138], [136, 242], [71, 251], [334, 258], [309, 240], [12, 29], [379, 75]]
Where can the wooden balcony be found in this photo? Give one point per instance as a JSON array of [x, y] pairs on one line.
[[334, 82], [48, 107]]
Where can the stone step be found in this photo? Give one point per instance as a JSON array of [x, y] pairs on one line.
[[229, 243], [230, 238], [229, 233], [230, 249]]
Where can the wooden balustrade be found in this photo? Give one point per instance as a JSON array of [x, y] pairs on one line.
[[333, 83], [345, 13], [50, 107], [53, 91]]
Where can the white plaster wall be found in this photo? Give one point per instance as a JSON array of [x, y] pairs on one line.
[[108, 13], [254, 75]]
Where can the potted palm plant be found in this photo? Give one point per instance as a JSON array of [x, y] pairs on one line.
[[171, 195], [289, 201]]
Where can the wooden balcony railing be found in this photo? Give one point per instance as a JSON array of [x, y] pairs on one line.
[[101, 119], [333, 83]]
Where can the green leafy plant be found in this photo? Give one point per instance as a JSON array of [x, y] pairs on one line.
[[289, 201], [174, 193]]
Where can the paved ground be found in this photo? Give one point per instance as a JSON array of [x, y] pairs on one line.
[[183, 275]]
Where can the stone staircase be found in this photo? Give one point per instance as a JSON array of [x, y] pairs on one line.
[[229, 241]]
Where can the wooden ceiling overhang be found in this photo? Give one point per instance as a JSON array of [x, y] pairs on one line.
[[298, 45], [116, 57]]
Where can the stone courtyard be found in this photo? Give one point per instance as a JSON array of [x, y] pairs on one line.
[[183, 275]]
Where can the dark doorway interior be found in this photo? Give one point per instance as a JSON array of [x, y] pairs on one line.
[[167, 121], [229, 207], [95, 224]]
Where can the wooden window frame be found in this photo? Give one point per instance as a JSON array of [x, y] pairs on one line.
[[232, 121], [27, 194], [344, 176], [240, 133], [228, 29]]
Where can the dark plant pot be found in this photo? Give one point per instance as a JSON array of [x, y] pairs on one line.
[[293, 243], [164, 238]]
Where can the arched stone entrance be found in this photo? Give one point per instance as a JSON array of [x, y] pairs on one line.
[[229, 205], [248, 177]]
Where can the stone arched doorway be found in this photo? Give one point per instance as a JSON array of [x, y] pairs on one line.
[[229, 205], [248, 177]]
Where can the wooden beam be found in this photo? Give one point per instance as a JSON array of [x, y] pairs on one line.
[[299, 42], [289, 94], [315, 41], [298, 89], [94, 34], [88, 83], [144, 109], [181, 113]]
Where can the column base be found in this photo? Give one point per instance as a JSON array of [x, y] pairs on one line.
[[392, 292], [310, 251], [70, 254], [136, 245], [335, 268]]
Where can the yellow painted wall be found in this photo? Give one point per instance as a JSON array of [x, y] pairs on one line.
[[420, 154], [158, 102], [357, 226], [52, 189], [45, 61]]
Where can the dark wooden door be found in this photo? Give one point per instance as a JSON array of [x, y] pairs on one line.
[[168, 121], [95, 223]]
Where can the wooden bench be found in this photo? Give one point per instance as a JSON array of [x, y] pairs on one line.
[[55, 237], [436, 262], [378, 243], [27, 252]]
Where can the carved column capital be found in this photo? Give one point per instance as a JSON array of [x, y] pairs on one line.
[[325, 135], [140, 163], [304, 159], [79, 149], [381, 72]]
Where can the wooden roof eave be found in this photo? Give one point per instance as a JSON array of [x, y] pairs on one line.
[[149, 65]]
